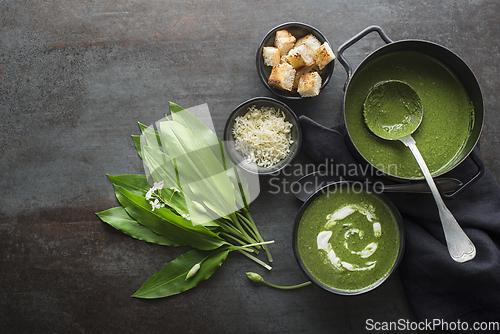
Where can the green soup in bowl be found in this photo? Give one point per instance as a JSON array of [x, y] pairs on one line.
[[347, 238]]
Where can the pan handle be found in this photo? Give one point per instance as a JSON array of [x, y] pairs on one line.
[[343, 47], [480, 172]]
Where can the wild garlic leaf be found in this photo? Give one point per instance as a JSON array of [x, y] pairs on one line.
[[160, 166], [198, 168], [202, 131], [239, 181], [171, 279], [120, 219], [135, 183], [138, 138], [150, 137], [172, 192], [145, 128], [174, 107], [137, 143], [238, 177], [175, 199], [166, 223]]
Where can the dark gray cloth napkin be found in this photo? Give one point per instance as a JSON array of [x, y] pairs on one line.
[[437, 288]]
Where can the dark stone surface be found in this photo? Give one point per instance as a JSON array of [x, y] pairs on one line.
[[76, 76]]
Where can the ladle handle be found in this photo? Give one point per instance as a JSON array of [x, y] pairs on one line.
[[346, 45], [459, 245]]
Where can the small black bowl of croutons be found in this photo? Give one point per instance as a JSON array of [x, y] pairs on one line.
[[295, 61]]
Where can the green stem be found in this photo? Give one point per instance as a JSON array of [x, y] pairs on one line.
[[265, 265], [230, 228], [259, 243], [242, 243], [231, 232], [288, 287], [258, 279], [254, 226], [248, 225], [237, 224]]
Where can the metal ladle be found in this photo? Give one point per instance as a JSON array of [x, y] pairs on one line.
[[393, 111]]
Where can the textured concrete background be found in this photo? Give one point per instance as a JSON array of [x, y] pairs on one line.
[[76, 76]]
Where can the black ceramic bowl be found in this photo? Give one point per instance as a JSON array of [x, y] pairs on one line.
[[298, 30], [238, 159], [333, 190]]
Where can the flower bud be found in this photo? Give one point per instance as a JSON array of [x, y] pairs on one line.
[[199, 207], [255, 277], [193, 271]]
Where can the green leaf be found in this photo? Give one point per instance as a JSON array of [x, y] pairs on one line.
[[137, 143], [198, 169], [210, 139], [145, 128], [135, 183], [171, 279], [149, 138], [160, 166], [139, 138], [202, 131], [119, 219], [175, 200], [166, 223], [175, 107]]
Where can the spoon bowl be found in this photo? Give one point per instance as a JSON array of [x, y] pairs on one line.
[[393, 111]]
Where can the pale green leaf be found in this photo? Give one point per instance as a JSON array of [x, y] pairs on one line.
[[160, 166], [210, 139], [198, 168], [202, 131], [151, 131]]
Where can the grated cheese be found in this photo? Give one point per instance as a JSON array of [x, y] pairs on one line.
[[263, 135]]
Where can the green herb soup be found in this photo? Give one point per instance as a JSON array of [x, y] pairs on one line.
[[348, 240], [392, 110], [448, 113]]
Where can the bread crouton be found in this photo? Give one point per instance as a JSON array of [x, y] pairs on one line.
[[307, 45], [284, 41], [306, 54], [323, 55], [301, 72], [271, 55], [282, 76], [309, 84], [310, 41], [294, 58]]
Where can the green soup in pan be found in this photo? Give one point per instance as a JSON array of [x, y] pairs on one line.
[[448, 113]]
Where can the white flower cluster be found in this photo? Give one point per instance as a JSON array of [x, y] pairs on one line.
[[150, 194], [156, 186], [157, 202]]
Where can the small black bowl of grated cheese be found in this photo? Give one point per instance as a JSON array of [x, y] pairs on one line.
[[262, 136]]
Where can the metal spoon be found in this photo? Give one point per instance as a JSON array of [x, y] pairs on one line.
[[393, 111]]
